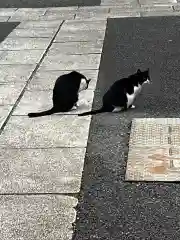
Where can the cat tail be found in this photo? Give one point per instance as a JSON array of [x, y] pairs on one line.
[[93, 112], [44, 113]]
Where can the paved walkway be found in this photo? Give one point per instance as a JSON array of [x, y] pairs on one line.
[[42, 159]]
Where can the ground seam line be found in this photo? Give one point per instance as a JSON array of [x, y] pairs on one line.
[[30, 78]]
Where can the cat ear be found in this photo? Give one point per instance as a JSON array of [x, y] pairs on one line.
[[88, 81], [138, 71]]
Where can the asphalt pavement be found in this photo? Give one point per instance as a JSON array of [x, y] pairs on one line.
[[47, 3], [6, 28], [109, 207]]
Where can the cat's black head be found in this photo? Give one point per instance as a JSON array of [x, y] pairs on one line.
[[143, 76]]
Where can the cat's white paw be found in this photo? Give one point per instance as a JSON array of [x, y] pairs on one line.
[[132, 106]]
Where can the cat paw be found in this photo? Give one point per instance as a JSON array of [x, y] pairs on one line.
[[132, 106]]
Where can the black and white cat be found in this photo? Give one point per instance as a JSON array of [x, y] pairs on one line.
[[65, 93], [122, 93]]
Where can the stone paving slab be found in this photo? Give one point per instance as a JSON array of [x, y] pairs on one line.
[[122, 3], [76, 48], [42, 100], [92, 12], [24, 43], [72, 25], [4, 112], [160, 13], [57, 170], [7, 11], [33, 33], [80, 35], [154, 151], [37, 217], [15, 73], [45, 132], [71, 62], [121, 13], [39, 24], [4, 18], [45, 80], [21, 57], [10, 92]]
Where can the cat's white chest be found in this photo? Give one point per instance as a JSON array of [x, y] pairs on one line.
[[131, 97]]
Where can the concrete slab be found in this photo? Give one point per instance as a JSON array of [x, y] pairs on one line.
[[8, 12], [36, 33], [39, 24], [118, 3], [121, 13], [9, 93], [37, 217], [4, 112], [71, 62], [80, 36], [92, 13], [45, 80], [23, 14], [42, 100], [72, 25], [154, 151], [4, 18], [56, 170], [61, 13], [21, 57], [70, 48], [24, 43], [45, 132], [15, 73]]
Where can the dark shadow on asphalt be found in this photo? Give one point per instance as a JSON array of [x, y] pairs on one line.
[[109, 207], [47, 3], [6, 28]]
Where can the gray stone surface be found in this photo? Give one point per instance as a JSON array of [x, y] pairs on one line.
[[45, 80], [23, 14], [45, 132], [157, 2], [42, 100], [61, 13], [15, 73], [4, 112], [24, 43], [36, 33], [21, 57], [71, 62], [72, 25], [80, 35], [37, 217], [121, 13], [4, 18], [159, 13], [92, 13], [123, 3], [76, 48], [9, 93], [39, 24], [50, 170], [7, 11]]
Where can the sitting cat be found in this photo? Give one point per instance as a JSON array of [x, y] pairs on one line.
[[122, 93], [65, 93]]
